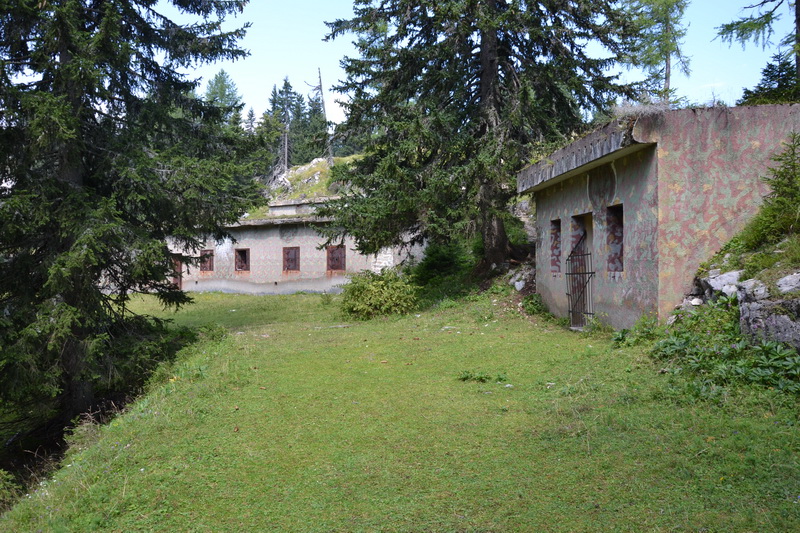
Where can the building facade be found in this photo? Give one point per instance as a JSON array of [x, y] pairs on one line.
[[279, 254], [626, 215]]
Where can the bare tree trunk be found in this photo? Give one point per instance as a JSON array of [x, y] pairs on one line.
[[489, 200], [797, 40]]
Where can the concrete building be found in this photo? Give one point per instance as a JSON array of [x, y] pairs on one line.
[[626, 215], [279, 254]]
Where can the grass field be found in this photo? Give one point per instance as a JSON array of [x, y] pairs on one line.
[[298, 420]]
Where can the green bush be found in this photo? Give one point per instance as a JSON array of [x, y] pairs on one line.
[[369, 295], [645, 329], [534, 305], [441, 261], [9, 490], [706, 343]]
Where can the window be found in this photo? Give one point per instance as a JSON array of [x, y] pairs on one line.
[[336, 258], [177, 273], [555, 246], [615, 229], [206, 260], [242, 259], [291, 258]]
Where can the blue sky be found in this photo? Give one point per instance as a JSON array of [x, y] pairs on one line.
[[286, 39]]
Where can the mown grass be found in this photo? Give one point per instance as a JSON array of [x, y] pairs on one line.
[[298, 421]]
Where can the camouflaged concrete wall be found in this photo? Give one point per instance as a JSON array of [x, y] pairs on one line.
[[620, 297], [709, 163]]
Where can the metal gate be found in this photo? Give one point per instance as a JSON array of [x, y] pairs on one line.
[[579, 286]]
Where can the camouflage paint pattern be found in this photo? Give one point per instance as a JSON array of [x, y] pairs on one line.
[[709, 166], [619, 297], [687, 181]]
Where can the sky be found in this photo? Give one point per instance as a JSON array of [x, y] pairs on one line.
[[287, 39]]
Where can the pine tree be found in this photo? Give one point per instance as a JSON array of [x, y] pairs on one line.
[[449, 94], [660, 32], [104, 156]]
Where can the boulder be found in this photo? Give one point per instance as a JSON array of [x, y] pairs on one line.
[[523, 276], [752, 290], [771, 320], [789, 283], [722, 281]]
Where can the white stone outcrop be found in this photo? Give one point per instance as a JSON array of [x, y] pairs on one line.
[[789, 283]]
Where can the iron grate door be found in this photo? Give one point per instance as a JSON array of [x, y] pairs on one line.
[[579, 287]]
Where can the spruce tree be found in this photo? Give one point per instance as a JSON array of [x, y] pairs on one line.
[[449, 95], [778, 84], [104, 156]]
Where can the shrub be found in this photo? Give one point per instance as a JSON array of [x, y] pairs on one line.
[[9, 490], [534, 305], [441, 261], [645, 329], [369, 295], [706, 343]]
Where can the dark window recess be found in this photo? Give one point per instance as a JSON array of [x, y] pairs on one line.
[[614, 239], [206, 260], [177, 273], [555, 246], [242, 259], [336, 258], [291, 258]]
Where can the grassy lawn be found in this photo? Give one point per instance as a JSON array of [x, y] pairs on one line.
[[301, 421]]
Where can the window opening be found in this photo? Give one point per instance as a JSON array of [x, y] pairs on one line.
[[242, 262], [291, 258], [206, 260], [336, 257], [615, 238], [555, 246]]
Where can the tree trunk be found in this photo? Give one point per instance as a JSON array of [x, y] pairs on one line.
[[797, 40], [489, 201], [667, 66]]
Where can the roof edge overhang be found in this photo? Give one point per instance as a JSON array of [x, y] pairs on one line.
[[605, 144], [608, 158]]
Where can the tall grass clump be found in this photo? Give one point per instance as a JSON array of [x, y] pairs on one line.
[[369, 295]]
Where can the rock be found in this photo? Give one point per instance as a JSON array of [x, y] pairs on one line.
[[771, 320], [789, 283], [730, 290], [696, 301], [719, 281], [522, 277], [713, 273], [752, 290]]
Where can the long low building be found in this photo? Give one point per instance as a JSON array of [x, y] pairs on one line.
[[282, 253]]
